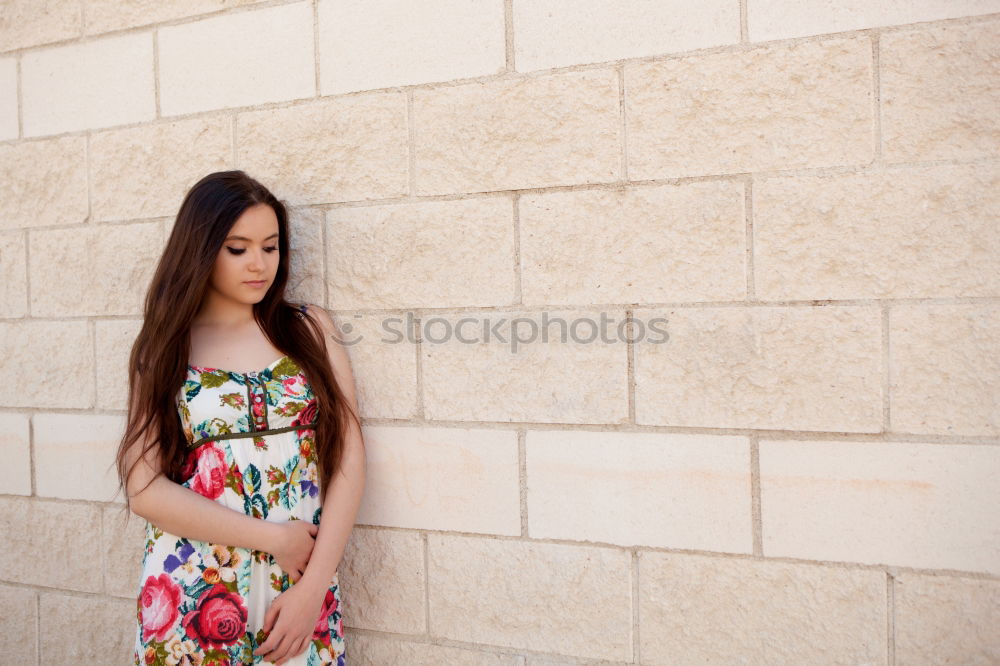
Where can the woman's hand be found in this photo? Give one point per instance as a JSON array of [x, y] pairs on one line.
[[293, 546], [290, 622]]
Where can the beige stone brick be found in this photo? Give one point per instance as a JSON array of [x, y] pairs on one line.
[[944, 369], [378, 650], [43, 182], [13, 274], [19, 629], [795, 368], [307, 275], [24, 25], [237, 59], [522, 132], [114, 340], [52, 544], [63, 349], [15, 452], [530, 595], [70, 636], [498, 366], [107, 15], [88, 85], [939, 91], [430, 254], [146, 171], [904, 233], [666, 243], [946, 620], [911, 504], [553, 33], [8, 98], [374, 45], [650, 489], [708, 610], [457, 479], [124, 544], [384, 363], [807, 104], [74, 456], [341, 149], [780, 19], [382, 580], [93, 270]]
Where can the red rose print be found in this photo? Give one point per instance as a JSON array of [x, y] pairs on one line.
[[322, 629], [158, 602], [210, 478], [307, 415], [219, 620]]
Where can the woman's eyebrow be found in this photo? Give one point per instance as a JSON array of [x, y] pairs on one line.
[[248, 239]]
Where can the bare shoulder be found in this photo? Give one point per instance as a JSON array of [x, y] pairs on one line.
[[339, 360]]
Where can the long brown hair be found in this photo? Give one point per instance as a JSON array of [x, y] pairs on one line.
[[158, 360]]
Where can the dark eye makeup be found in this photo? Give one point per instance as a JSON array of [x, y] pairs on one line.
[[238, 251]]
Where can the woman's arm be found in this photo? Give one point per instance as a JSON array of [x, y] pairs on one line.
[[181, 511], [343, 497]]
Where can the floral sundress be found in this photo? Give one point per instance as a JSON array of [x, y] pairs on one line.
[[201, 603]]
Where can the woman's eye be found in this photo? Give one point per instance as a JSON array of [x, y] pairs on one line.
[[271, 249], [239, 250]]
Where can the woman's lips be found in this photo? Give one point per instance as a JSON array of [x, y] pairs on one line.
[[256, 283]]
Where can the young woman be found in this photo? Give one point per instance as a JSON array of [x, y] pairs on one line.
[[242, 431]]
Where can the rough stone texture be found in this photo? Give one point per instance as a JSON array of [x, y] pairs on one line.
[[537, 596], [91, 630], [946, 620], [145, 171], [237, 59], [376, 650], [19, 629], [382, 580], [15, 452], [23, 25], [906, 233], [940, 91], [780, 19], [124, 542], [792, 368], [306, 279], [665, 243], [13, 274], [573, 377], [553, 33], [65, 350], [54, 544], [8, 99], [108, 15], [88, 85], [708, 610], [341, 149], [462, 480], [94, 270], [43, 182], [114, 340], [432, 254], [375, 45], [537, 131], [384, 363], [647, 489], [911, 504], [74, 455], [945, 367], [806, 104]]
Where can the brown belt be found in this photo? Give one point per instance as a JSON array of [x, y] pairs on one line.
[[252, 433]]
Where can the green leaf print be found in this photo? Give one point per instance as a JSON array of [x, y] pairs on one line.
[[258, 506], [285, 368], [286, 493], [251, 478], [213, 379]]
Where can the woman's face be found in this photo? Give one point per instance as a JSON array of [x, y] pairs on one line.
[[248, 261]]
